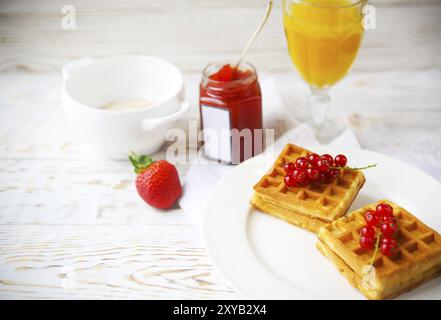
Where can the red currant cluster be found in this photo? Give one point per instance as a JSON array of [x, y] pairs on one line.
[[382, 220], [313, 168]]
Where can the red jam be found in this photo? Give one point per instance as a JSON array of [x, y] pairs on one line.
[[230, 73], [230, 98]]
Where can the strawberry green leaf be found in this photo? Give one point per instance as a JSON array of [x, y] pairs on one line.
[[140, 162]]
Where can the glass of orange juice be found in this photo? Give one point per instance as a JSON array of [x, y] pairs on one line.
[[323, 40]]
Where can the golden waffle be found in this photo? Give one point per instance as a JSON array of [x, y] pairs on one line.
[[418, 258], [308, 207]]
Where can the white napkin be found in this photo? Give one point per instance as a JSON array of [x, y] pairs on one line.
[[202, 178]]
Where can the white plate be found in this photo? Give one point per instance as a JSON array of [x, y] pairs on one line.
[[263, 257]]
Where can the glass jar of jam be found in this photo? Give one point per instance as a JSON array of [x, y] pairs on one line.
[[230, 105]]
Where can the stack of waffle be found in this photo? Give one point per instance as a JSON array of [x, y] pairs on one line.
[[309, 207], [418, 258]]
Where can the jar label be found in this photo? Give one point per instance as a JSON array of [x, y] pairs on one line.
[[217, 133]]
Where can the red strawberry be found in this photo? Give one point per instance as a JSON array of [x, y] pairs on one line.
[[157, 181]]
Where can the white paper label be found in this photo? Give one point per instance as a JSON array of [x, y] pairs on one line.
[[216, 133]]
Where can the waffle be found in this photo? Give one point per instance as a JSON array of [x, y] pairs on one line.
[[309, 207], [417, 260]]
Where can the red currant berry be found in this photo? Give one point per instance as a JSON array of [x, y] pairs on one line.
[[334, 173], [304, 183], [371, 218], [389, 228], [340, 160], [325, 177], [367, 231], [322, 177], [388, 240], [323, 165], [312, 174], [388, 218], [384, 209], [290, 181], [328, 158], [389, 248], [299, 175], [367, 243], [288, 167], [302, 163], [313, 159]]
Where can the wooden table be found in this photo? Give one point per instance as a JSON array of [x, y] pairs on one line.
[[72, 224]]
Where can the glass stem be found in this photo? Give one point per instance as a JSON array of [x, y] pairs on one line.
[[319, 101]]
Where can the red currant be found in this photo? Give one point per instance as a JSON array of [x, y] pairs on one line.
[[389, 228], [313, 159], [384, 209], [371, 218], [323, 165], [302, 163], [367, 243], [290, 181], [334, 173], [325, 177], [312, 174], [340, 160], [389, 247], [288, 167], [388, 218], [304, 183], [388, 240], [299, 175], [328, 158], [367, 231]]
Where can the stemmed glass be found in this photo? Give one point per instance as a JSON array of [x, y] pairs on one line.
[[323, 39]]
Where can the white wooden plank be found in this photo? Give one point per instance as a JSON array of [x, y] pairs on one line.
[[193, 33], [399, 90], [33, 126], [33, 123], [111, 262], [76, 192]]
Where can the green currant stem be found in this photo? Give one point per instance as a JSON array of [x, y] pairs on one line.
[[377, 245], [355, 168]]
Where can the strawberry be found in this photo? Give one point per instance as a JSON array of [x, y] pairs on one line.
[[157, 181]]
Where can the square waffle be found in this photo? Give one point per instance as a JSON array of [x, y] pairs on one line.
[[309, 207], [417, 260]]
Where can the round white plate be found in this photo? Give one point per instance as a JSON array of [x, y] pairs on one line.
[[263, 257]]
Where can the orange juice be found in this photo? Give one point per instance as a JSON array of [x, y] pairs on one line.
[[323, 38]]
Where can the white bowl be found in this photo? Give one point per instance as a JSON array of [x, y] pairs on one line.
[[90, 84]]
